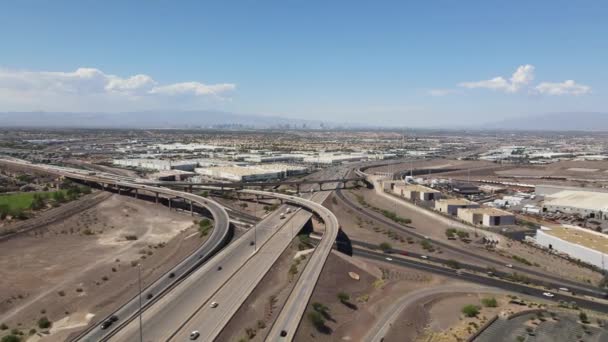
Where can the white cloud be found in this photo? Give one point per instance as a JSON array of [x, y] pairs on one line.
[[58, 90], [520, 78], [568, 87], [193, 88]]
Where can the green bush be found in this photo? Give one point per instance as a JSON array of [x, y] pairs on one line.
[[470, 310], [11, 338], [489, 302], [317, 320], [343, 297], [44, 323]]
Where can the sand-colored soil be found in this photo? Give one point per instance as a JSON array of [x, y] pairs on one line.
[[378, 286], [81, 268]]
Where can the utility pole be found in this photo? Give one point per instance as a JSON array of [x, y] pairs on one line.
[[141, 332]]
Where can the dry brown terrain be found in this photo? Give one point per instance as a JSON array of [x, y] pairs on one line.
[[422, 224], [81, 268], [378, 286]]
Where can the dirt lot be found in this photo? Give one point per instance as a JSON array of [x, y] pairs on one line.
[[81, 267], [378, 285]]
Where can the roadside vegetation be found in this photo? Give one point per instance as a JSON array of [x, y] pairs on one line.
[[18, 205], [204, 226], [387, 213]]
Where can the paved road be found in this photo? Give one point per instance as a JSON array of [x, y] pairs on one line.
[[163, 319], [211, 321], [391, 314], [163, 284], [483, 280], [466, 254], [286, 324]]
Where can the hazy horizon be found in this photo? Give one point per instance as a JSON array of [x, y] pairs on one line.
[[410, 65]]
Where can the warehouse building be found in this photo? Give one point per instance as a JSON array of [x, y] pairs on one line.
[[486, 217], [450, 206], [465, 188], [285, 170], [157, 164], [239, 173], [588, 204], [576, 242], [416, 192]]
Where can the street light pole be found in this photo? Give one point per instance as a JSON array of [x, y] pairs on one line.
[[141, 334]]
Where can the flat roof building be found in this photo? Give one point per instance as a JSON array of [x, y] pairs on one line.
[[579, 243], [416, 192], [486, 217], [450, 206], [239, 173], [589, 204]]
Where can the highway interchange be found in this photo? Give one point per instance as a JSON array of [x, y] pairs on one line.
[[181, 303]]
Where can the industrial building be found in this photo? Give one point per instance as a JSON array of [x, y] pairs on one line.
[[465, 188], [257, 158], [450, 206], [332, 159], [577, 201], [285, 170], [576, 242], [239, 173], [487, 217], [157, 164], [416, 192]]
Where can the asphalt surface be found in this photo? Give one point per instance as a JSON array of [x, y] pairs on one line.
[[285, 326], [391, 314], [163, 284], [579, 287], [166, 317], [483, 280]]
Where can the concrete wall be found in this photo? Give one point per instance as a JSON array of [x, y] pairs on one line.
[[495, 220], [585, 254], [574, 210], [452, 209]]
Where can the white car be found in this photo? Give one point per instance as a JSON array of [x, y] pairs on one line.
[[548, 294], [389, 259], [424, 257], [565, 289], [194, 335], [509, 265], [214, 304]]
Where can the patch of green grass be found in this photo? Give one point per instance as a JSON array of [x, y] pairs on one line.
[[23, 200]]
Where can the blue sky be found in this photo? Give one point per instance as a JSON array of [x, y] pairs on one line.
[[414, 63]]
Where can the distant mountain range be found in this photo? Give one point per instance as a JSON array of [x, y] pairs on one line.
[[576, 121], [583, 121], [154, 119]]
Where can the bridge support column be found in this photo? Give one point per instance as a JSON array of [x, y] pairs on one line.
[[169, 199], [156, 195], [190, 188], [118, 187], [298, 188], [136, 193], [320, 186], [191, 209]]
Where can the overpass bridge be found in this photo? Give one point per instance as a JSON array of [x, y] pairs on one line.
[[242, 185]]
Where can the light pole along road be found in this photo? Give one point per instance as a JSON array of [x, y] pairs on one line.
[[163, 284]]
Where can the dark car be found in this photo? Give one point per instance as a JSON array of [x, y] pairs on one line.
[[106, 324], [251, 243], [113, 318]]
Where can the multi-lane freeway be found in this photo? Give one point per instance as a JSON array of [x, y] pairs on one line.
[[129, 310]]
